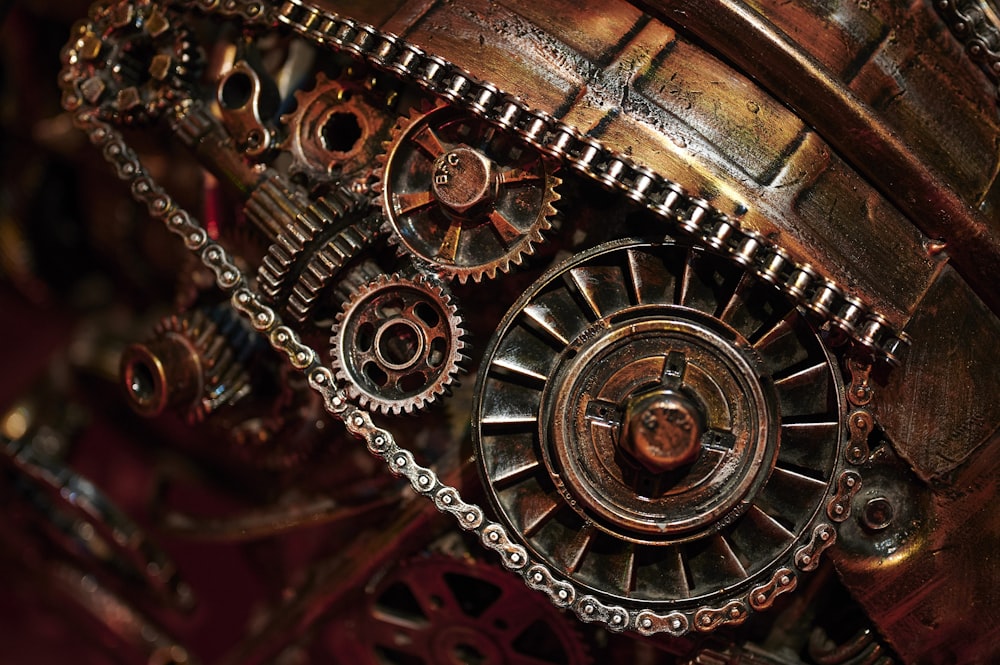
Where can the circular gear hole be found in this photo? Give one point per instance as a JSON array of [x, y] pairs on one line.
[[236, 90], [438, 352], [341, 132], [375, 374], [412, 382], [142, 383], [399, 344], [427, 314]]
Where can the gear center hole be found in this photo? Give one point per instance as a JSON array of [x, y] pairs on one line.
[[399, 344], [341, 132], [142, 384]]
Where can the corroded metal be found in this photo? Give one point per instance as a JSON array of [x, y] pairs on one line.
[[747, 253]]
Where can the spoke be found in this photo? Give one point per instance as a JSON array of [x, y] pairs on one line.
[[809, 446], [509, 457], [516, 176], [788, 497], [662, 574], [652, 282], [412, 201], [806, 391], [514, 472], [505, 228], [571, 553], [398, 633], [429, 142], [433, 596], [603, 288], [730, 560], [736, 300], [759, 537], [512, 365], [536, 507], [449, 245], [542, 316], [684, 285]]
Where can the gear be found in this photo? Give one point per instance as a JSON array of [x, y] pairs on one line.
[[196, 363], [334, 134], [438, 609], [398, 344], [330, 261], [464, 196], [327, 224], [664, 430], [131, 62]]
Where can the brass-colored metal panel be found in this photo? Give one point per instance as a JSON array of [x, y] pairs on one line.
[[496, 44], [922, 88], [749, 129], [841, 34], [937, 416]]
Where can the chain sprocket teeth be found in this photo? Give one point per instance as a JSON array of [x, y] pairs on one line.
[[450, 213], [333, 133], [195, 363], [131, 61], [398, 344]]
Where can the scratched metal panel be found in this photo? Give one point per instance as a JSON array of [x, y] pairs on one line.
[[937, 417]]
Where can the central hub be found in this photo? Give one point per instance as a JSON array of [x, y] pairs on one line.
[[463, 179], [662, 430]]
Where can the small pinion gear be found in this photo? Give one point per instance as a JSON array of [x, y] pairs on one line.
[[398, 344]]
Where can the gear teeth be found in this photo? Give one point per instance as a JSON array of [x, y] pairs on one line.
[[491, 256], [298, 239], [222, 344], [306, 139], [355, 366]]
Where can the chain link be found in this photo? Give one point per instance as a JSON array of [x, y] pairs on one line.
[[692, 216]]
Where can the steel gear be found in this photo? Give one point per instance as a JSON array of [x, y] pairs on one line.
[[334, 134], [195, 363], [398, 344], [464, 196], [131, 62], [449, 611], [325, 225], [665, 430]]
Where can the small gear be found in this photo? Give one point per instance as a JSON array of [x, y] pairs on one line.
[[323, 223], [398, 344], [195, 363], [463, 196], [329, 261], [131, 62], [441, 609], [333, 134]]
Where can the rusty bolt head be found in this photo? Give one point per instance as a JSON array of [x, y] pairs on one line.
[[463, 179], [662, 430]]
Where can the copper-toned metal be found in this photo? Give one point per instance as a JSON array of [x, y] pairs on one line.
[[755, 338], [662, 430]]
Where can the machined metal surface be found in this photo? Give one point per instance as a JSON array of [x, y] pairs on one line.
[[721, 275]]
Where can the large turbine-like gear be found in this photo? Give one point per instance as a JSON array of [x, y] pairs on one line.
[[333, 133], [398, 344], [666, 431], [450, 611], [464, 196]]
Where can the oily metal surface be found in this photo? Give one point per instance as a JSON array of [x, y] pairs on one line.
[[790, 187]]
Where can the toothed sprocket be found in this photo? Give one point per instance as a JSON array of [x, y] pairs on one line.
[[398, 344], [334, 134], [463, 196]]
